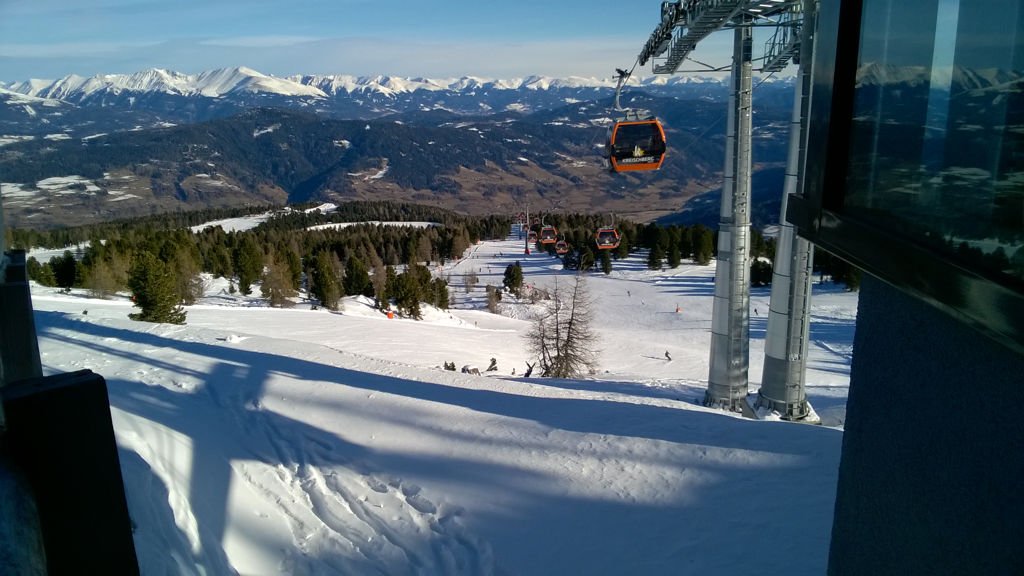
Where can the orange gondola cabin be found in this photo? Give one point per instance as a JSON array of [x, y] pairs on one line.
[[636, 145], [607, 238], [548, 235]]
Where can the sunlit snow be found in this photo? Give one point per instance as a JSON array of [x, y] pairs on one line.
[[267, 130], [235, 224], [256, 440], [13, 139], [339, 225], [120, 195]]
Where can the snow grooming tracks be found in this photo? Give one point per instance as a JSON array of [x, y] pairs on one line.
[[349, 522], [358, 524], [361, 525]]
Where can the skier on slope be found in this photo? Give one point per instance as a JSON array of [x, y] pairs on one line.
[[667, 357]]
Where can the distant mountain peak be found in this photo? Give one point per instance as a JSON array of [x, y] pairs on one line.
[[881, 73], [211, 83], [14, 97], [242, 79], [156, 97]]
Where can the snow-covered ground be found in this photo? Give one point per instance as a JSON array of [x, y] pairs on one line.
[[297, 441]]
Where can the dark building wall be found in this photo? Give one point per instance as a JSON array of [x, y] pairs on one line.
[[931, 479]]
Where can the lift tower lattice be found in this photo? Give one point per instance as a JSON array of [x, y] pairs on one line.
[[683, 25], [783, 388]]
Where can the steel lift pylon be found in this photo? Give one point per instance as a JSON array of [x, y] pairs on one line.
[[783, 386], [684, 24]]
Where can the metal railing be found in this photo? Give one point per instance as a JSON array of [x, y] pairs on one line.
[[784, 45], [686, 22]]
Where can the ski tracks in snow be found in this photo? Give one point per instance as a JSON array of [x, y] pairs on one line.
[[350, 521], [354, 523], [845, 354]]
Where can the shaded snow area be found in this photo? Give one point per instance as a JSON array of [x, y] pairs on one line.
[[299, 441]]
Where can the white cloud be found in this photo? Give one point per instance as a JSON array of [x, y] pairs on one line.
[[259, 41]]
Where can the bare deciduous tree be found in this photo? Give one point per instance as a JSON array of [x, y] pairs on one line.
[[470, 280], [106, 278], [493, 297], [562, 337]]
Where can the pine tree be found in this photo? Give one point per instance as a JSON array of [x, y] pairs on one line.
[[513, 280], [154, 291], [357, 279], [220, 262], [390, 285], [664, 239], [606, 262], [379, 278], [586, 258], [406, 293], [289, 256], [41, 273], [421, 277], [622, 251], [324, 283], [424, 248], [460, 243], [440, 290], [703, 245], [686, 243], [655, 257], [276, 284], [571, 261], [757, 243], [65, 270], [248, 263], [182, 256], [760, 273], [674, 255]]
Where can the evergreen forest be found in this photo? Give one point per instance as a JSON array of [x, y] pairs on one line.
[[344, 252]]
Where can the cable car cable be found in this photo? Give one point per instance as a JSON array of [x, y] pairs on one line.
[[720, 118]]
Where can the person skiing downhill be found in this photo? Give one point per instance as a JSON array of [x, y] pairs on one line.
[[667, 357]]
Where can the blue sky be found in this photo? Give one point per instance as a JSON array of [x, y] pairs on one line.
[[441, 38]]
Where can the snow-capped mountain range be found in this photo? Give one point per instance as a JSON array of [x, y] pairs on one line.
[[155, 97], [227, 81], [79, 106], [881, 74]]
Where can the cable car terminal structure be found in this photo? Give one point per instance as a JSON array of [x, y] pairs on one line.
[[683, 25]]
